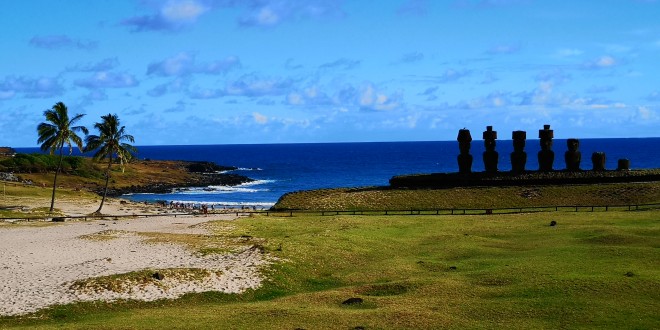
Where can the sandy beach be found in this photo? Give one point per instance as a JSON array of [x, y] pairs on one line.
[[43, 265]]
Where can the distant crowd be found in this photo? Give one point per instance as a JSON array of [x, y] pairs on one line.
[[202, 207]]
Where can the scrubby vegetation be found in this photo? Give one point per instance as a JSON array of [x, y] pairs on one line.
[[83, 173], [43, 163]]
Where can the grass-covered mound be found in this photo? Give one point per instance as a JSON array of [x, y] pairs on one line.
[[591, 270], [83, 173], [386, 198], [448, 180]]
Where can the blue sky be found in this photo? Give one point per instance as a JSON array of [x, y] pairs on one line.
[[285, 71]]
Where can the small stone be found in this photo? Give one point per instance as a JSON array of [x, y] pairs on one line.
[[352, 301]]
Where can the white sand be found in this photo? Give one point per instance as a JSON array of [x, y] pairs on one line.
[[38, 264]]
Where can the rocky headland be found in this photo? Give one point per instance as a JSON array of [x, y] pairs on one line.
[[142, 176]]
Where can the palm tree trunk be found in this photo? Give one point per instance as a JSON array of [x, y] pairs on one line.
[[105, 191], [52, 199]]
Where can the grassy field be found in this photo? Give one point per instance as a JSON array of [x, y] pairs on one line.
[[591, 270], [18, 200], [379, 198], [135, 173]]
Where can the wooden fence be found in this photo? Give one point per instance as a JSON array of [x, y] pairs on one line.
[[292, 213], [469, 211]]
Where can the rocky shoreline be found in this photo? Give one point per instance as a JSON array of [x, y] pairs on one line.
[[200, 180], [203, 174], [145, 176]]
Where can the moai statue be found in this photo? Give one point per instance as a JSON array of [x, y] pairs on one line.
[[518, 156], [546, 155], [623, 165], [464, 158], [573, 156], [491, 157], [598, 159]]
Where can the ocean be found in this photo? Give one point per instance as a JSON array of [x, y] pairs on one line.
[[283, 168]]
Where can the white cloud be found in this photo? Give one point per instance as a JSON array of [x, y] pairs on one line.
[[372, 99], [103, 65], [251, 86], [342, 63], [259, 118], [266, 17], [61, 42], [646, 114], [602, 62], [169, 16], [493, 100], [108, 80], [411, 57], [295, 99], [179, 64], [606, 61], [504, 49], [408, 122], [270, 13], [184, 63], [449, 75], [569, 52], [41, 87], [185, 11]]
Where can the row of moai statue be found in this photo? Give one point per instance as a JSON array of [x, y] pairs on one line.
[[546, 156]]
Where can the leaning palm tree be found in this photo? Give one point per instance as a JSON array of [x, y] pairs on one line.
[[57, 131], [110, 144]]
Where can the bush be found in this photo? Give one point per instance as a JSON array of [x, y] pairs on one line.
[[42, 163]]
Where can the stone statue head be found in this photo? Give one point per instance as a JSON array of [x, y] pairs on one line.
[[573, 144]]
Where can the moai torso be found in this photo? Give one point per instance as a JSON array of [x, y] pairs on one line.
[[623, 164], [518, 156], [573, 156], [491, 157], [464, 158], [546, 156], [598, 160]]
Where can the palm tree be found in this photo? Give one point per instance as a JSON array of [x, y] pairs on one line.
[[110, 144], [57, 131]]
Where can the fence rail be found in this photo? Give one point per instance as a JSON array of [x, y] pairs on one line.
[[291, 213], [469, 211]]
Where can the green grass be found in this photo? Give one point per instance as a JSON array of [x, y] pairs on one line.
[[122, 283], [591, 270], [18, 200], [383, 198]]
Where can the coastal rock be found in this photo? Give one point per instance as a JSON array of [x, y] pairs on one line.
[[208, 167], [8, 177], [202, 180]]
